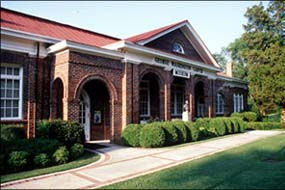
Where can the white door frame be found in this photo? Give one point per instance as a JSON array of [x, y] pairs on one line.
[[86, 101]]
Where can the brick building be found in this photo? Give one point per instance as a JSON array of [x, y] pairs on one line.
[[52, 70]]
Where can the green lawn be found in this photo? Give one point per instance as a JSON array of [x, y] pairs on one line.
[[87, 158], [259, 165]]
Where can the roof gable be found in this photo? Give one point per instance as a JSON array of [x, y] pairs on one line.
[[31, 24]]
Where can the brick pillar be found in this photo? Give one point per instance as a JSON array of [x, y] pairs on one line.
[[192, 97], [71, 109], [167, 101], [116, 121], [211, 98], [31, 114]]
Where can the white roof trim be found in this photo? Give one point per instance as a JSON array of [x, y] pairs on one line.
[[143, 42], [232, 79], [85, 49], [28, 35]]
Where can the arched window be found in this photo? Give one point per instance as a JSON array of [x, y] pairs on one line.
[[220, 104], [178, 48]]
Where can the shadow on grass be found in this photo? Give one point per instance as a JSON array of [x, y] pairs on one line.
[[259, 165]]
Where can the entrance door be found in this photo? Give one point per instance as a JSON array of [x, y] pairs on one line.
[[84, 114]]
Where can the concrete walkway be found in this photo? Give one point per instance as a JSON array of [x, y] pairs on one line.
[[119, 163]]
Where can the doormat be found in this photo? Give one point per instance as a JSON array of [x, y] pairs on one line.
[[94, 146]]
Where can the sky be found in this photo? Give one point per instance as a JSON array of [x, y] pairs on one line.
[[217, 22]]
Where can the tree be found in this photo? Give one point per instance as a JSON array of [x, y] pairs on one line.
[[264, 55], [221, 57]]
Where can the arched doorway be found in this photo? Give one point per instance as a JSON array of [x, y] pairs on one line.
[[95, 106], [149, 105], [177, 97], [199, 100], [57, 96]]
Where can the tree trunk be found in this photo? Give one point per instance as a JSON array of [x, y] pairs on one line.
[[283, 117]]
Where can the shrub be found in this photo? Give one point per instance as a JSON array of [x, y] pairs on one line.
[[41, 160], [203, 125], [171, 134], [3, 163], [181, 131], [76, 150], [263, 125], [241, 124], [18, 160], [152, 135], [246, 116], [229, 125], [235, 124], [236, 114], [43, 129], [217, 126], [61, 155], [131, 135], [12, 132], [193, 131]]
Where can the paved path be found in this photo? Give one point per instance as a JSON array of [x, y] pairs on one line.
[[120, 163]]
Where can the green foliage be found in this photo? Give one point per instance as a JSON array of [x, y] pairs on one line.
[[131, 135], [41, 160], [263, 125], [67, 132], [12, 132], [181, 130], [245, 116], [203, 125], [61, 155], [18, 160], [221, 57], [235, 124], [171, 133], [76, 151], [152, 135], [241, 125], [193, 131], [229, 125], [3, 163], [217, 126]]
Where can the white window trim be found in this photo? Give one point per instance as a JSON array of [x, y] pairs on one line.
[[218, 111], [20, 90], [238, 102], [148, 101], [175, 103], [180, 45]]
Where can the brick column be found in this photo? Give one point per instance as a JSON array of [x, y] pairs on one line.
[[71, 109], [167, 101], [31, 113], [192, 97]]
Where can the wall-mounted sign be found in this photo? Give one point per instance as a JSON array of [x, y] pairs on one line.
[[97, 117], [180, 73], [161, 61], [178, 65]]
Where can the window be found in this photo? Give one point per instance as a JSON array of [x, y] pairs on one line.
[[144, 99], [11, 92], [178, 48], [219, 104], [238, 102], [177, 100]]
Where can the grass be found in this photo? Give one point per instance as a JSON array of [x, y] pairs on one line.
[[87, 158], [258, 165]]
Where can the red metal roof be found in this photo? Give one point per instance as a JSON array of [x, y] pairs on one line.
[[152, 33], [27, 23]]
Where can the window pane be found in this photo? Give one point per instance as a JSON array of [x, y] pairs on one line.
[[8, 112], [16, 84], [16, 71], [9, 93], [2, 103], [9, 71], [8, 103], [3, 70], [2, 112], [16, 93], [2, 93], [2, 83], [15, 112], [9, 83], [15, 103]]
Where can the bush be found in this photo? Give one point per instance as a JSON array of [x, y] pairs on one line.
[[246, 116], [171, 133], [41, 160], [241, 124], [193, 131], [12, 132], [67, 132], [61, 155], [152, 135], [236, 114], [203, 125], [263, 125], [235, 125], [181, 131], [3, 163], [131, 135], [76, 150], [229, 125], [18, 160], [217, 126]]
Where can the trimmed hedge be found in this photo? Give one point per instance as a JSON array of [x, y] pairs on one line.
[[152, 135], [229, 125], [12, 132], [217, 126], [181, 130], [203, 125], [18, 160], [76, 151], [171, 133], [41, 160], [235, 124], [263, 125], [131, 135], [61, 155], [193, 132], [246, 116]]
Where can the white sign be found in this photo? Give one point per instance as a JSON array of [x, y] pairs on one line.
[[180, 73]]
